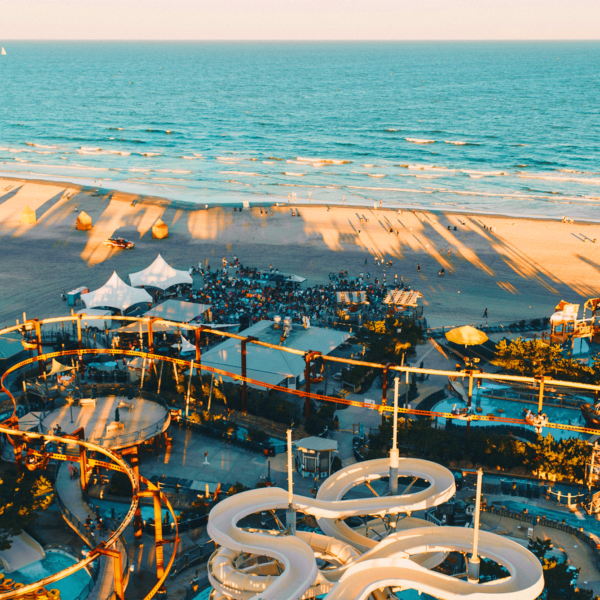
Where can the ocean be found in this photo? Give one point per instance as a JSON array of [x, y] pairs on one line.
[[498, 127]]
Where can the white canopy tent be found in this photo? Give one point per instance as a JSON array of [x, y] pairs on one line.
[[115, 293], [186, 347], [160, 275]]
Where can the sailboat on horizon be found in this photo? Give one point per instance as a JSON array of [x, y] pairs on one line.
[[3, 51]]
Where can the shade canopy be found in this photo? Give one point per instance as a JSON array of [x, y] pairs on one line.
[[84, 221], [115, 293], [297, 279], [351, 297], [402, 298], [466, 336], [186, 347], [178, 310], [58, 368], [160, 275], [160, 230]]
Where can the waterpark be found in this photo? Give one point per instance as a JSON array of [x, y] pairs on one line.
[[177, 444]]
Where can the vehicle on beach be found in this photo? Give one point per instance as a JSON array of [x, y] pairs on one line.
[[119, 243]]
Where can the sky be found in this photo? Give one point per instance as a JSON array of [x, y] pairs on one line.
[[299, 19]]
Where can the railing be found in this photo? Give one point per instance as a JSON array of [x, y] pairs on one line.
[[75, 523], [564, 499], [87, 536], [197, 555], [133, 437]]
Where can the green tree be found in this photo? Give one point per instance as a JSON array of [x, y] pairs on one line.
[[21, 498], [527, 357], [557, 577], [386, 341]]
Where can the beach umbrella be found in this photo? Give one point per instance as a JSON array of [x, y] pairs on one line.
[[466, 336]]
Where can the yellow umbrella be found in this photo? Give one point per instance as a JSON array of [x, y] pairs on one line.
[[467, 336]]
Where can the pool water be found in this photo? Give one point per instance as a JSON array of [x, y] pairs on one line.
[[121, 509], [204, 594], [55, 561], [513, 410]]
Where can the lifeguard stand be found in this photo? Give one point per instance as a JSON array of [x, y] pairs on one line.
[[593, 305], [566, 327]]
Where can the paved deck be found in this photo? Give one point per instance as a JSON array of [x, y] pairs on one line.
[[144, 421]]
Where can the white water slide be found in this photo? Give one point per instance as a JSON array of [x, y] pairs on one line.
[[354, 566]]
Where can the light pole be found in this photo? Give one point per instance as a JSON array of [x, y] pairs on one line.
[[290, 515], [394, 454], [473, 562]]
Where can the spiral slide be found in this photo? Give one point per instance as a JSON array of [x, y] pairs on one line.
[[267, 565]]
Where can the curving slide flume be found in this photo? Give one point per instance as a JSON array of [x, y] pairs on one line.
[[354, 566]]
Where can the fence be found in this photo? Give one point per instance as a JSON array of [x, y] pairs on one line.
[[591, 540], [524, 325]]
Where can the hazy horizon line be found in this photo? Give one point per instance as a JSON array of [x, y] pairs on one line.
[[271, 40]]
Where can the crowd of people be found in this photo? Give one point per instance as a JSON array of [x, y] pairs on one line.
[[241, 294]]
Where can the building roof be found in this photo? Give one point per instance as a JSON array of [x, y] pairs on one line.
[[115, 293], [267, 364], [177, 310], [10, 346], [160, 275], [316, 443]]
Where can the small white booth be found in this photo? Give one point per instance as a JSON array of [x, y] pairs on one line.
[[314, 456]]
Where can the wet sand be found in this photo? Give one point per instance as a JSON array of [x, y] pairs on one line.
[[519, 269]]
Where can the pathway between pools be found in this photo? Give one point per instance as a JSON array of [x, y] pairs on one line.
[[70, 493]]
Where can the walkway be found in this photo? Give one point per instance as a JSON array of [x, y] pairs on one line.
[[70, 493]]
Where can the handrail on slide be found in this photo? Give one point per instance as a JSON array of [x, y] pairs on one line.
[[358, 565]]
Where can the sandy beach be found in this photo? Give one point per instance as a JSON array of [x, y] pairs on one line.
[[516, 268]]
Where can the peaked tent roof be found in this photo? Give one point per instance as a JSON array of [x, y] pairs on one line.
[[160, 275], [58, 368], [115, 293]]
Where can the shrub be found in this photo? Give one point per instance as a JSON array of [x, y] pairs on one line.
[[120, 485]]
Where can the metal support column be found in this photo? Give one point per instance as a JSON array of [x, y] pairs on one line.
[[79, 343], [158, 534], [308, 357], [38, 335], [244, 384], [117, 568], [469, 398], [384, 391]]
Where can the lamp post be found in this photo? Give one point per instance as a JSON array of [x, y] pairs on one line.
[[290, 515], [394, 454], [473, 563]]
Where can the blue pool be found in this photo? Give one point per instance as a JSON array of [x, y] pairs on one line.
[[55, 561], [513, 410]]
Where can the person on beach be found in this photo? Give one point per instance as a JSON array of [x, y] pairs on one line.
[[418, 268], [485, 314]]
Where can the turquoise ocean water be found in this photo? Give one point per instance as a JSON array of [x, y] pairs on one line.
[[502, 127]]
